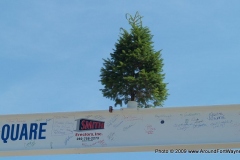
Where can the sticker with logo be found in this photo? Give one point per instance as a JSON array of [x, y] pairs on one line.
[[85, 127]]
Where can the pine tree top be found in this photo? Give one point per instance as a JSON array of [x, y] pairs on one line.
[[134, 21], [134, 71]]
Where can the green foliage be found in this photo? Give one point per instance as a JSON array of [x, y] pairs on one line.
[[134, 71]]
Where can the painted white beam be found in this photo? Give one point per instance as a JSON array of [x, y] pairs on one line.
[[124, 130]]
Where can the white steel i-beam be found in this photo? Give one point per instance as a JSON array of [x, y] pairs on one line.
[[124, 130]]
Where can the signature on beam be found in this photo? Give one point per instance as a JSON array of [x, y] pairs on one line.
[[149, 129], [129, 126], [67, 139], [111, 136], [101, 142], [132, 118], [29, 144]]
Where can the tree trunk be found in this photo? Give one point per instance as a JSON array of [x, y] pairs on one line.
[[132, 96]]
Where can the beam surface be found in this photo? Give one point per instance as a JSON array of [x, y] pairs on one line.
[[124, 130]]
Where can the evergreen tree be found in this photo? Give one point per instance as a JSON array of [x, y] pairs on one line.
[[134, 71]]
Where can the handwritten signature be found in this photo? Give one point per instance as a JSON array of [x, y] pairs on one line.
[[149, 129], [29, 144], [101, 142], [129, 126], [132, 118], [118, 124], [67, 139], [111, 136], [112, 120]]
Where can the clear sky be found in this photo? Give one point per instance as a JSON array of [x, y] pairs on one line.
[[51, 54]]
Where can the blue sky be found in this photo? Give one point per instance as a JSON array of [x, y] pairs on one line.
[[51, 54]]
